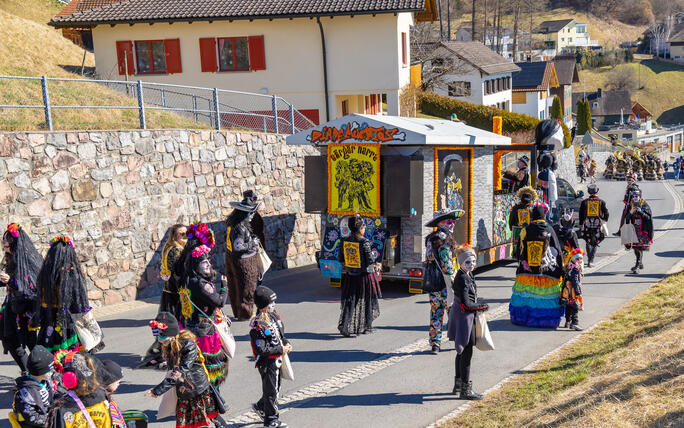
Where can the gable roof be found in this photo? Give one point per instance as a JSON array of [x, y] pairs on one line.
[[553, 26], [677, 33], [566, 70], [609, 103], [638, 108], [133, 11], [535, 76], [481, 57], [75, 6]]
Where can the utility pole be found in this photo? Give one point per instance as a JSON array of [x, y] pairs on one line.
[[441, 26], [448, 20]]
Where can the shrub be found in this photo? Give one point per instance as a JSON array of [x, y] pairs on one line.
[[556, 112], [480, 116], [581, 118]]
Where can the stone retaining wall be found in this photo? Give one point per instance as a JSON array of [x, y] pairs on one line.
[[117, 192]]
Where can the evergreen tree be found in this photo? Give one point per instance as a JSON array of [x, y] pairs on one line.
[[556, 111], [587, 115], [581, 124]]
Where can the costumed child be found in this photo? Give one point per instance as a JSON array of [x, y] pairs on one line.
[[34, 391], [439, 253], [639, 216], [85, 404], [64, 301], [196, 405], [462, 321], [567, 238], [267, 336], [571, 293], [19, 273]]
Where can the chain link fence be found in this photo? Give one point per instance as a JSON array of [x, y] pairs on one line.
[[83, 103]]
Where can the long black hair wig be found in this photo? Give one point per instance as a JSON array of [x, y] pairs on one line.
[[24, 263], [61, 282]]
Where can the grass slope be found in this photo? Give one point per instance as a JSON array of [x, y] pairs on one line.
[[627, 372], [662, 86], [31, 48]]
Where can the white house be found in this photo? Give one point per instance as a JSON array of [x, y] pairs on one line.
[[329, 59], [532, 88], [465, 34], [472, 73]]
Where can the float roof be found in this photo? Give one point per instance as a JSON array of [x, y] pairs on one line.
[[397, 131]]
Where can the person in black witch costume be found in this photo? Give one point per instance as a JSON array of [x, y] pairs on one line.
[[63, 297], [19, 273], [244, 235], [269, 344], [632, 187], [360, 288], [207, 296], [593, 212], [567, 238], [640, 216], [520, 215]]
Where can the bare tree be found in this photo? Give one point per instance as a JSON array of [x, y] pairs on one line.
[[622, 79], [484, 31], [473, 22], [664, 8], [436, 63], [516, 20]]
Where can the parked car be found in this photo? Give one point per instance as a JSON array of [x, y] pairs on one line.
[[567, 197]]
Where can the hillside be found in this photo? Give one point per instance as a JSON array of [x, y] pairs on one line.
[[663, 85], [32, 48]]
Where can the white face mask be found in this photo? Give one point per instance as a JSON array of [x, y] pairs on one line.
[[271, 307], [205, 267], [469, 264]]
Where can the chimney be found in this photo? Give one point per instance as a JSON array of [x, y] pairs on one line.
[[598, 93]]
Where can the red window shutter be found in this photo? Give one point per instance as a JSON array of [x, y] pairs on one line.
[[257, 55], [374, 109], [173, 56], [124, 55], [404, 60], [208, 54]]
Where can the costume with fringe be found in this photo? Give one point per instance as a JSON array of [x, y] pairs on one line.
[[536, 291], [520, 214]]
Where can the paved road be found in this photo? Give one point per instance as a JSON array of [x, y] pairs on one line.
[[388, 379]]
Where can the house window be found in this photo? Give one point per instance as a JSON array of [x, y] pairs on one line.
[[570, 39], [233, 54], [541, 115], [404, 53], [595, 105], [150, 56], [345, 107], [459, 89], [519, 97]]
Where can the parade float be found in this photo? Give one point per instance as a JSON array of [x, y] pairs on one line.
[[395, 172]]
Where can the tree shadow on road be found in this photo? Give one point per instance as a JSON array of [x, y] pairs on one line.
[[507, 325], [338, 356], [337, 401]]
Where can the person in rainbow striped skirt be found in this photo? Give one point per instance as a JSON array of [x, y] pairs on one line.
[[536, 291]]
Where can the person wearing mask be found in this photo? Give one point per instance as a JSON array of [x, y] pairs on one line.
[[19, 274], [520, 214], [567, 238], [571, 292], [462, 321], [64, 299], [244, 238], [593, 213], [439, 252], [536, 290], [269, 344], [360, 288], [85, 404], [196, 406], [639, 215], [170, 300], [34, 391], [632, 187], [207, 295]]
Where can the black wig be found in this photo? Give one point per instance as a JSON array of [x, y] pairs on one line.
[[24, 264], [61, 283]]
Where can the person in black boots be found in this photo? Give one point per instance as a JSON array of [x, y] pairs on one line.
[[267, 336], [567, 238], [639, 215], [19, 273], [593, 213], [462, 321], [34, 391], [360, 284], [632, 187], [571, 291]]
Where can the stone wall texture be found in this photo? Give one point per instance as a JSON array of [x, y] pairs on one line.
[[567, 167], [116, 193]]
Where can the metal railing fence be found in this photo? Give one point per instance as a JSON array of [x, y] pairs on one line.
[[218, 108]]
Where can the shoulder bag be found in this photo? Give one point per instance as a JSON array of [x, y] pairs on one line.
[[483, 339], [88, 330], [167, 407], [286, 370], [264, 262], [223, 329]]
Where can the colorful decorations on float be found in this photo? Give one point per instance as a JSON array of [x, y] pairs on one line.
[[354, 179], [355, 131], [453, 186], [503, 204]]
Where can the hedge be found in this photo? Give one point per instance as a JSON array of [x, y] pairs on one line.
[[478, 115]]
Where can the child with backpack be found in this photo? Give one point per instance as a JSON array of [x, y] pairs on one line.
[[35, 391], [571, 291]]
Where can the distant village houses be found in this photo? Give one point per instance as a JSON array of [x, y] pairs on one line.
[[566, 36], [532, 87]]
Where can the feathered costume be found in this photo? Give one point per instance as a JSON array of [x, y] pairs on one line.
[[22, 266], [62, 292]]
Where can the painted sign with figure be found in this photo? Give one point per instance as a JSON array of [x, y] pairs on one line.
[[453, 187], [354, 179]]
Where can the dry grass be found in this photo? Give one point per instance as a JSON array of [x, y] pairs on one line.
[[628, 372], [31, 48], [662, 85]]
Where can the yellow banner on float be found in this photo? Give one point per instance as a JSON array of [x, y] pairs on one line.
[[354, 179]]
